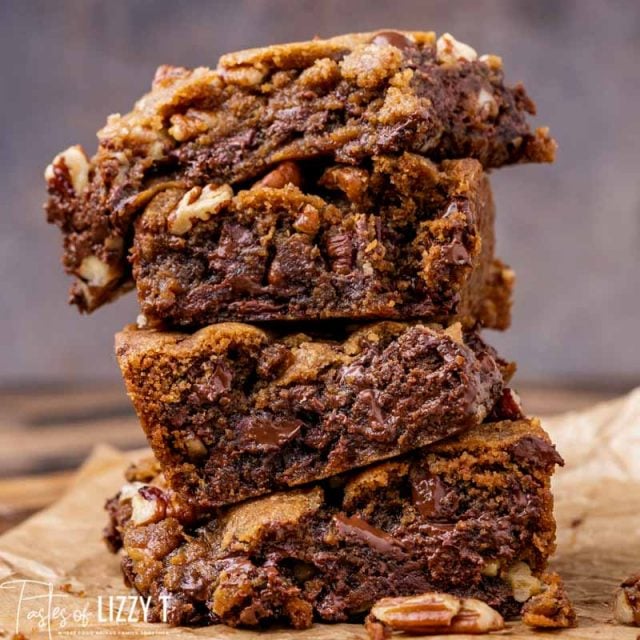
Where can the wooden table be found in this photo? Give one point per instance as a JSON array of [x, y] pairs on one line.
[[46, 434]]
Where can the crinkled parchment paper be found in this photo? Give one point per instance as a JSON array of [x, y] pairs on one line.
[[54, 568]]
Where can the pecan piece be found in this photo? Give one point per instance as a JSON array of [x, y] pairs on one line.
[[340, 251], [550, 609], [285, 173], [432, 613], [626, 606]]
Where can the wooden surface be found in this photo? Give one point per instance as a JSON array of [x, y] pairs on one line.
[[45, 435]]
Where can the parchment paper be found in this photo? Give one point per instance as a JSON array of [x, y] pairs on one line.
[[56, 576]]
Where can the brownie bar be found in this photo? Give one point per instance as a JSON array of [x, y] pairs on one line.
[[471, 516], [233, 411], [404, 239], [342, 100]]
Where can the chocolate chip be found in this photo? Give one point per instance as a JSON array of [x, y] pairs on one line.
[[215, 385], [456, 253], [427, 492], [268, 433], [393, 38], [369, 398], [356, 527], [507, 407], [534, 449]]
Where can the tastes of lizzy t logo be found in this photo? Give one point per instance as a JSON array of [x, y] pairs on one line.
[[40, 607]]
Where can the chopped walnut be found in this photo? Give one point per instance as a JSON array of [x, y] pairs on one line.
[[449, 50], [523, 583], [487, 105], [244, 75], [147, 505], [198, 203], [493, 62], [97, 273], [76, 163]]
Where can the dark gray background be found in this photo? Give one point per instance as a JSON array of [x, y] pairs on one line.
[[572, 230]]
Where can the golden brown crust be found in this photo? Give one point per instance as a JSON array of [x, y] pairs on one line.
[[301, 54]]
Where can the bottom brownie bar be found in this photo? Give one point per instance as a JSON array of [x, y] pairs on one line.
[[471, 516]]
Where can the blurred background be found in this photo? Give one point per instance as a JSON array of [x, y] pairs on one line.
[[571, 230]]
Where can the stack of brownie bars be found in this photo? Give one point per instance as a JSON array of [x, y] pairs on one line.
[[310, 230]]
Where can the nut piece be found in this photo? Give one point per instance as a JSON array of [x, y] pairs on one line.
[[523, 583], [492, 61], [198, 203], [449, 50], [97, 273], [129, 490], [353, 182], [417, 613], [491, 568], [475, 616], [626, 605], [551, 609], [76, 163], [284, 174], [454, 331], [487, 105], [147, 505], [432, 613]]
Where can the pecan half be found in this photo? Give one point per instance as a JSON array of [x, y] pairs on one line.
[[432, 613]]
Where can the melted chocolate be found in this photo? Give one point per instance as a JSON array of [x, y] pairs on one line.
[[536, 449], [216, 384], [508, 407], [369, 397], [394, 38], [269, 433], [456, 253], [353, 526], [427, 492]]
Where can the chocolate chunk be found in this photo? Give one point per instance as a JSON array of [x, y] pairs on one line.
[[368, 396], [456, 253], [268, 433], [508, 406], [394, 38], [354, 526], [427, 492], [216, 384], [534, 449]]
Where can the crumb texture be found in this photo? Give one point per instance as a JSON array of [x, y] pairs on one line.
[[455, 518], [232, 411]]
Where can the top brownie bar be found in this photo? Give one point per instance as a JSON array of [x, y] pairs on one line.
[[342, 100]]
